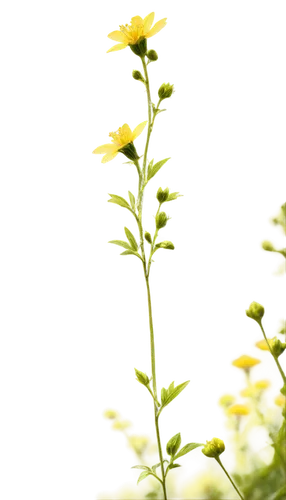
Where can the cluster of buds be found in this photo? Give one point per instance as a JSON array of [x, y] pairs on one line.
[[165, 91], [162, 196]]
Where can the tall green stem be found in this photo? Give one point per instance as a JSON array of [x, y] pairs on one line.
[[141, 187], [227, 474]]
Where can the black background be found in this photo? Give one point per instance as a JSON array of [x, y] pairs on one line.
[[228, 140]]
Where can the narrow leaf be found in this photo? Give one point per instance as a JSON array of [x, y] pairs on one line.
[[143, 475], [131, 239], [168, 245], [131, 252], [173, 196], [173, 444], [142, 377], [187, 448], [144, 467], [163, 395], [154, 467], [120, 243], [173, 394], [132, 200], [173, 466], [155, 167], [119, 201]]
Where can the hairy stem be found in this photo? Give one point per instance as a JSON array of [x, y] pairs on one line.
[[142, 184]]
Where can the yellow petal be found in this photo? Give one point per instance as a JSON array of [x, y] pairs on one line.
[[137, 20], [107, 159], [116, 48], [126, 134], [137, 131], [157, 27], [148, 21], [105, 148], [118, 36]]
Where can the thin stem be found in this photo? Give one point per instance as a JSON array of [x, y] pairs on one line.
[[274, 357], [152, 343], [141, 187], [227, 474]]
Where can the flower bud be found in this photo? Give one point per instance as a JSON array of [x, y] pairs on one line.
[[255, 311], [165, 91], [139, 48], [148, 237], [129, 151], [110, 414], [152, 55], [161, 220], [162, 195], [214, 448], [124, 426], [137, 76], [168, 245], [277, 347], [267, 245]]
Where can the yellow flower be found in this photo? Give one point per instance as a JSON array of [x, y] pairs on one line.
[[280, 400], [245, 362], [248, 392], [226, 400], [110, 414], [261, 387], [255, 389], [238, 412], [142, 446], [121, 425], [120, 138], [262, 344], [131, 34]]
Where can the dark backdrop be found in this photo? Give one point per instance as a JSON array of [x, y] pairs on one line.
[[227, 138]]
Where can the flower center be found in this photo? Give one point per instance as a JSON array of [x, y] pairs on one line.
[[120, 138], [132, 32]]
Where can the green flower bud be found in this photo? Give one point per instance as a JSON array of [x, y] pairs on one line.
[[139, 48], [129, 151], [255, 311], [277, 347], [162, 195], [137, 76], [214, 448], [161, 220], [142, 377], [173, 445], [168, 245], [148, 237], [267, 245], [152, 55], [165, 91]]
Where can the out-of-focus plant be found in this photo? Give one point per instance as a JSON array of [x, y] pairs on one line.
[[249, 461]]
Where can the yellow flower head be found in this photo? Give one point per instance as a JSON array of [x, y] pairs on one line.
[[124, 426], [261, 387], [142, 446], [120, 138], [245, 362], [280, 400], [226, 400], [255, 389], [248, 392], [110, 414], [262, 344], [238, 410], [139, 29]]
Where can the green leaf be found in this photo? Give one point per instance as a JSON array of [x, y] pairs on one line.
[[144, 467], [174, 444], [172, 391], [131, 252], [132, 200], [119, 201], [175, 195], [147, 237], [131, 239], [154, 467], [143, 475], [173, 466], [155, 167], [120, 243], [187, 448]]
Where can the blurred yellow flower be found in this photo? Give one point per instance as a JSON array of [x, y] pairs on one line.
[[238, 412], [142, 445], [248, 392], [124, 426], [226, 400], [120, 138], [261, 387], [110, 414], [262, 344], [280, 400], [133, 33], [245, 362]]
